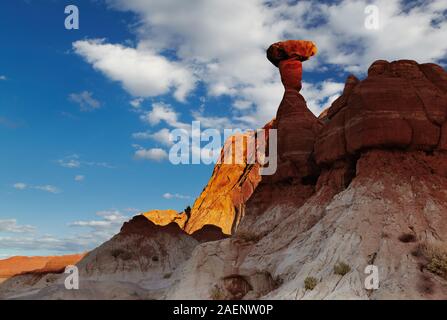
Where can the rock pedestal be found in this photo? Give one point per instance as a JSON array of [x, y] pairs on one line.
[[297, 125]]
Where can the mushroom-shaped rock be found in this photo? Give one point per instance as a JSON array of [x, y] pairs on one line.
[[287, 56], [297, 126], [300, 50]]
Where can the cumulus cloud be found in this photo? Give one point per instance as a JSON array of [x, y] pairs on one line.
[[162, 136], [3, 78], [175, 196], [211, 122], [141, 71], [161, 112], [405, 32], [229, 58], [320, 96], [11, 226], [156, 154], [85, 101]]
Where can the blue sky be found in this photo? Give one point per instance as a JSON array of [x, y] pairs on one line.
[[84, 113]]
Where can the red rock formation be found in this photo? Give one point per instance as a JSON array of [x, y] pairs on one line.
[[297, 129], [287, 56], [300, 50], [401, 104], [380, 199], [297, 125]]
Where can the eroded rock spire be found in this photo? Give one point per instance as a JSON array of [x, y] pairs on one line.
[[297, 125], [288, 57]]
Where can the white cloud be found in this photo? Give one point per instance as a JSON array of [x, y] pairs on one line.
[[142, 135], [74, 161], [320, 96], [222, 44], [85, 100], [98, 164], [175, 196], [20, 186], [110, 219], [211, 122], [242, 104], [71, 162], [79, 243], [160, 112], [98, 231], [79, 178], [46, 188], [11, 226], [156, 154], [136, 103], [162, 136], [142, 72], [229, 58], [3, 78]]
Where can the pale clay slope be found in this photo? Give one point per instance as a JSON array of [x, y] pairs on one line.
[[359, 225], [109, 272]]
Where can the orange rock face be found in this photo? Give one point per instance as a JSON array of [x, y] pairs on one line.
[[50, 264], [222, 202], [165, 217], [57, 264]]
